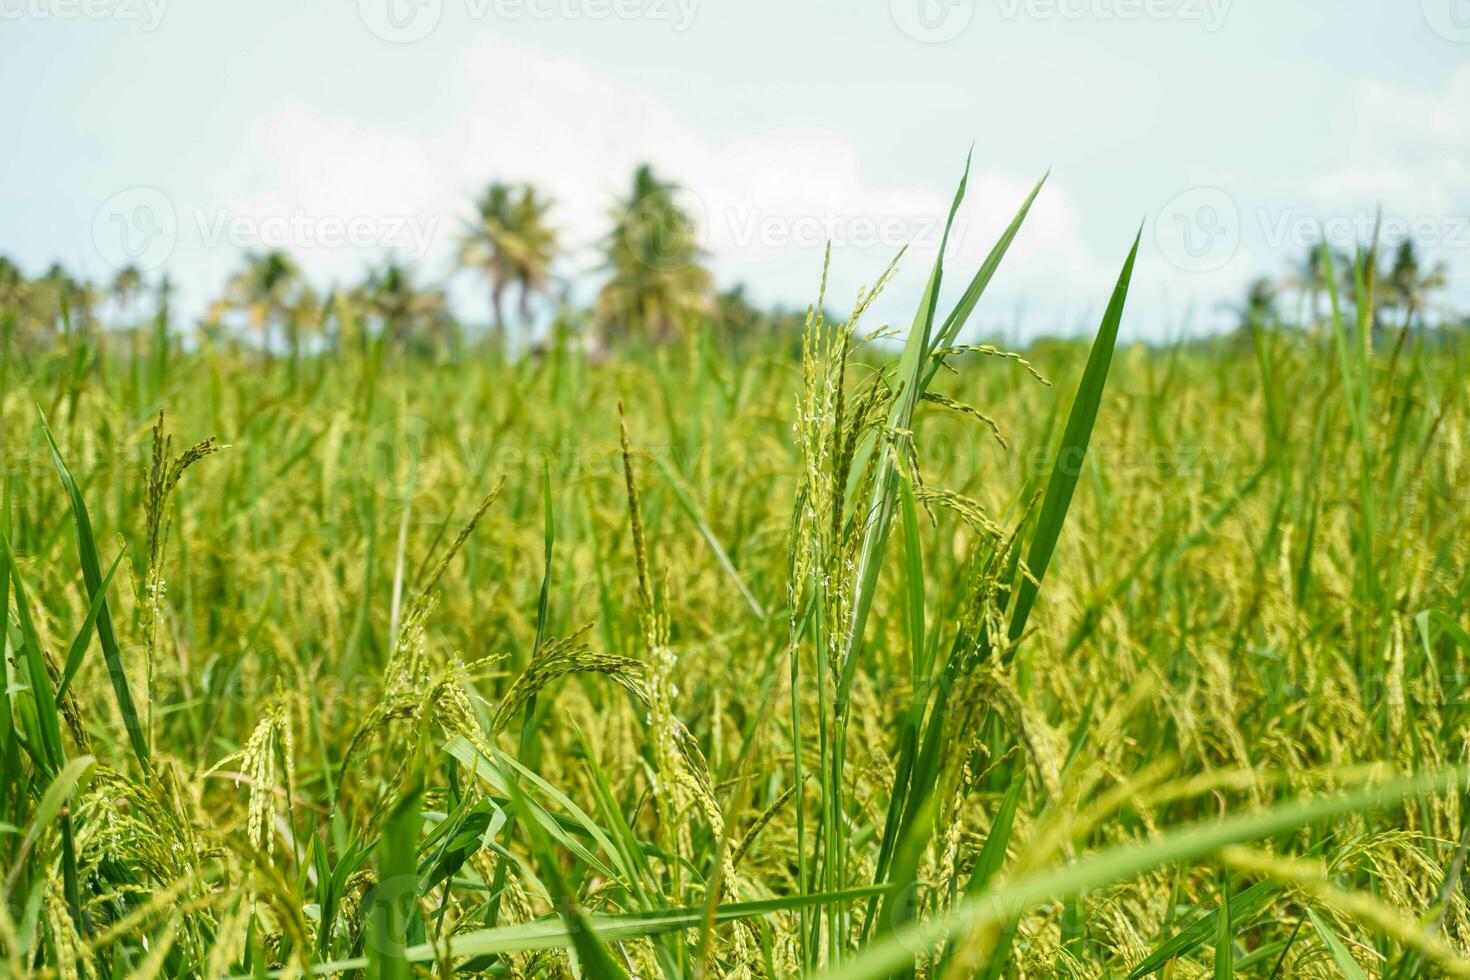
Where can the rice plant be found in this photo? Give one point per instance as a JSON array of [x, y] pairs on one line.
[[919, 657]]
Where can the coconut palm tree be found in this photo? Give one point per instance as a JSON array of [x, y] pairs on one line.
[[411, 317], [48, 297], [163, 294], [271, 294], [16, 304], [63, 303], [10, 279], [484, 247], [734, 312], [1408, 285], [126, 287], [1257, 310], [1260, 301], [536, 250], [511, 244], [12, 285], [658, 282], [1310, 277]]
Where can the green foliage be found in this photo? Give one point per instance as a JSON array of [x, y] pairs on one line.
[[510, 243], [657, 284], [899, 662]]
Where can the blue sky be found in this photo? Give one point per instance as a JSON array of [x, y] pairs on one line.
[[350, 130]]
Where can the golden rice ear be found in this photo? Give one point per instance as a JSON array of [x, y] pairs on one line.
[[73, 957], [270, 741], [935, 398], [941, 354], [635, 517], [558, 657], [454, 547]]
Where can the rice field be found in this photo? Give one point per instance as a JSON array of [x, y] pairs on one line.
[[901, 656]]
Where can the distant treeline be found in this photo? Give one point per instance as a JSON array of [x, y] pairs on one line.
[[655, 284]]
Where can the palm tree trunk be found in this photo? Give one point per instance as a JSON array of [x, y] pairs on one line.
[[1403, 336], [497, 313], [524, 308], [293, 330]]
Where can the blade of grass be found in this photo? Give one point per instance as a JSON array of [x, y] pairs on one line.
[[46, 714], [1224, 950], [554, 933], [1244, 906], [1008, 900], [92, 575], [992, 856], [1073, 449], [686, 500], [915, 826], [84, 635], [593, 956], [72, 778], [1346, 965], [396, 893], [971, 297]]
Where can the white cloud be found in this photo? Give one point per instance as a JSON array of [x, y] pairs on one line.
[[770, 200], [1410, 157], [1409, 150]]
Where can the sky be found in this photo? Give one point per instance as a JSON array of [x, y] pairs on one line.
[[177, 134]]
